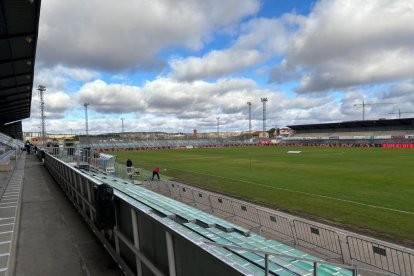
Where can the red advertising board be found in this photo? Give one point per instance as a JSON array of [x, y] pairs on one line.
[[398, 146]]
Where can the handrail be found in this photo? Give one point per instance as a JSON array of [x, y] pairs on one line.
[[353, 269], [6, 154]]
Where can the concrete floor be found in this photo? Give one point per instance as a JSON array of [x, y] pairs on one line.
[[53, 238]]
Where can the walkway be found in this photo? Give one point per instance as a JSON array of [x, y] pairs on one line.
[[53, 239]]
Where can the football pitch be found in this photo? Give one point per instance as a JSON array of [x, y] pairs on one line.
[[366, 189]]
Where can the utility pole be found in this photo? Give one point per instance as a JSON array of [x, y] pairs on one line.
[[399, 113], [86, 118], [122, 119], [365, 104], [41, 89], [264, 101], [250, 117]]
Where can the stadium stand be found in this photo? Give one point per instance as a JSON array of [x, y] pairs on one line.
[[208, 228], [396, 131], [121, 145]]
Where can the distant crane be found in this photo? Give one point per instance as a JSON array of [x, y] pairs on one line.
[[363, 107], [399, 113]]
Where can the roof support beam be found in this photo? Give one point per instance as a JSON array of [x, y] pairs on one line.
[[27, 36], [29, 59], [14, 86], [28, 88], [29, 74], [11, 107]]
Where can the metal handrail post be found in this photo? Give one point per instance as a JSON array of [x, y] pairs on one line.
[[266, 264], [355, 272], [170, 253], [315, 268]]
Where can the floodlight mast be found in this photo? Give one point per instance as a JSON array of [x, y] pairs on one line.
[[264, 101], [218, 127], [86, 118], [41, 89], [122, 119], [250, 117], [365, 104], [399, 113]]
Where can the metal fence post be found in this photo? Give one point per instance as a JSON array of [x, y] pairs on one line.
[[170, 251], [136, 240], [315, 268], [266, 264], [355, 272]]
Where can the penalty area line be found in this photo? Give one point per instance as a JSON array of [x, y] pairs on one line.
[[300, 192]]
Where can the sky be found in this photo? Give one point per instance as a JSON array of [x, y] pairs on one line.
[[177, 65]]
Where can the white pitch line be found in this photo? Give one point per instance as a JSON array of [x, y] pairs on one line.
[[304, 193]]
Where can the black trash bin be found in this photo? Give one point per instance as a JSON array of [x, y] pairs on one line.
[[105, 207]]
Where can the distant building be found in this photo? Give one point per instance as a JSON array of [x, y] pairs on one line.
[[285, 131]]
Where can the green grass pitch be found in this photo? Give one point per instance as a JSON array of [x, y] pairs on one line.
[[369, 189]]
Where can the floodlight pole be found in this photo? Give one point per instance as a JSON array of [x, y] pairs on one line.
[[365, 104], [399, 113], [41, 89], [122, 119], [218, 127], [264, 101], [250, 117], [86, 118]]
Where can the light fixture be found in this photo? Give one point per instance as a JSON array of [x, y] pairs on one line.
[[29, 62], [29, 39]]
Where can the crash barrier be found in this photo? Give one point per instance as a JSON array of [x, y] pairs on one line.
[[334, 243], [393, 260]]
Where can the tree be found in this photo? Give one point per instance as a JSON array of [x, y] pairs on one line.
[[272, 132]]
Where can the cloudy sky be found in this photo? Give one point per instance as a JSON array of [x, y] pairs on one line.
[[177, 65]]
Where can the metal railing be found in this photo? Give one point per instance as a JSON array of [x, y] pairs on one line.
[[336, 244], [354, 270], [381, 256]]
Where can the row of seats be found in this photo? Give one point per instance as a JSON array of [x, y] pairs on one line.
[[202, 227], [163, 143], [9, 141]]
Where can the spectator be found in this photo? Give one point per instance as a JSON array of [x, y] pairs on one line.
[[155, 172], [129, 166], [28, 147]]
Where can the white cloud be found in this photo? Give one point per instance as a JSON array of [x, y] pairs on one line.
[[57, 77], [259, 40], [349, 43], [168, 104], [129, 34], [110, 98], [56, 104], [214, 64]]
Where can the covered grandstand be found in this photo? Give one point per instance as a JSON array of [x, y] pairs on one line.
[[378, 132], [18, 32]]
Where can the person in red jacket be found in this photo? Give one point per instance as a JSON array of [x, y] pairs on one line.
[[155, 172]]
